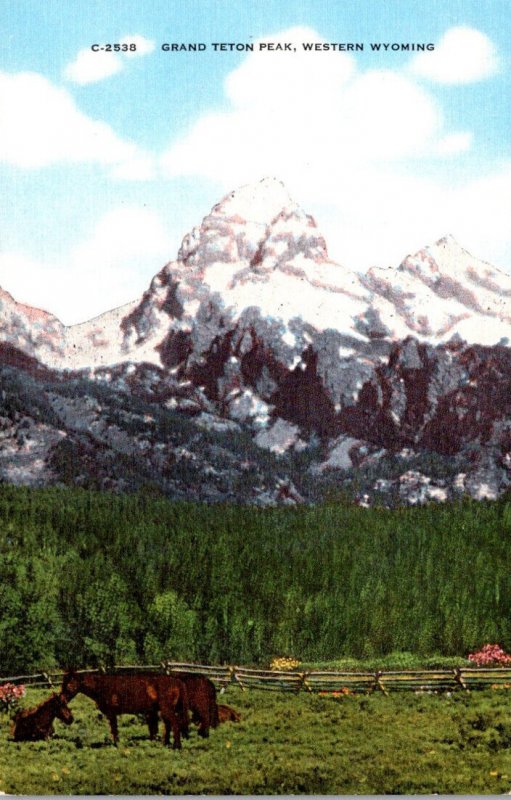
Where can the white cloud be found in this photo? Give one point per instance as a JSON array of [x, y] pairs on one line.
[[309, 118], [313, 113], [92, 66], [112, 267], [41, 125], [122, 234], [454, 143], [34, 282], [89, 67], [463, 55], [384, 115], [268, 79], [306, 112], [139, 168], [482, 210], [143, 46]]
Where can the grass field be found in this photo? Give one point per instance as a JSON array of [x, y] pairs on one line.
[[404, 743]]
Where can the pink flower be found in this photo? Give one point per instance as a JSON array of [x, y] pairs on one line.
[[490, 654], [10, 693]]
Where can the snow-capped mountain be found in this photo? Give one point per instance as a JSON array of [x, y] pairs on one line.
[[256, 327], [258, 250]]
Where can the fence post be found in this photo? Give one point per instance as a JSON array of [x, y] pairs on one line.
[[236, 678], [48, 679], [459, 678], [231, 678], [304, 683], [378, 684]]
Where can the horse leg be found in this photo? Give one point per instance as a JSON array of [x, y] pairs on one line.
[[204, 724], [176, 731], [152, 722], [203, 730], [112, 719], [182, 715], [171, 722], [166, 735]]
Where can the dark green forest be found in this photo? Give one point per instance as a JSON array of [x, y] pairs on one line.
[[89, 578]]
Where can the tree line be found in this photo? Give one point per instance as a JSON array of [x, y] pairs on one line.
[[90, 578]]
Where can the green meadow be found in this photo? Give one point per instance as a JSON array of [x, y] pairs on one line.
[[284, 744]]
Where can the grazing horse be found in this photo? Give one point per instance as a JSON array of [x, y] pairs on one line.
[[201, 699], [144, 694], [228, 714], [33, 724]]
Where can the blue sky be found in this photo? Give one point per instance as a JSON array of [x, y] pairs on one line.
[[107, 161]]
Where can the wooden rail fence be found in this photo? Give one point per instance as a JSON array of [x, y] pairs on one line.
[[327, 681]]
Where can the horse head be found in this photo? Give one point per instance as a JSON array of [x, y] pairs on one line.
[[71, 683], [63, 712]]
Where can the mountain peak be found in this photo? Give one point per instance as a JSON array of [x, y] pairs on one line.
[[259, 202], [448, 241], [251, 232]]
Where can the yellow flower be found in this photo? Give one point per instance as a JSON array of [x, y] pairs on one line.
[[284, 663]]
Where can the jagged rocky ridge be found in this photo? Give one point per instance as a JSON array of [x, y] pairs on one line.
[[255, 369]]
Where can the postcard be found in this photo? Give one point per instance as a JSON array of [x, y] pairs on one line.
[[255, 408]]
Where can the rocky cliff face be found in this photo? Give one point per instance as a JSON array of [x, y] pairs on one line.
[[391, 385]]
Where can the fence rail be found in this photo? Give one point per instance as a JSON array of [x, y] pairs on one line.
[[327, 681]]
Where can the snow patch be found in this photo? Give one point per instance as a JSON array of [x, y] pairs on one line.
[[289, 338], [279, 438]]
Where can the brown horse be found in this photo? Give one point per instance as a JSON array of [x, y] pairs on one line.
[[201, 699], [33, 724], [144, 694]]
